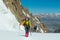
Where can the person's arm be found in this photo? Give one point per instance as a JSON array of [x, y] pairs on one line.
[[30, 24], [23, 23]]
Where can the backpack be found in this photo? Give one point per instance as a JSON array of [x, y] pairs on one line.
[[27, 23]]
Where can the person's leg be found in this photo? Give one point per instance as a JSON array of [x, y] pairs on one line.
[[27, 31]]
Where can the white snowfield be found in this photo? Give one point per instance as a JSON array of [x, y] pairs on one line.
[[9, 28], [6, 35], [7, 19]]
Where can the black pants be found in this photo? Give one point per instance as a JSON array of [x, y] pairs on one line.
[[27, 28]]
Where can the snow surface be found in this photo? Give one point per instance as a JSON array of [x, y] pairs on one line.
[[6, 35], [7, 19], [9, 28]]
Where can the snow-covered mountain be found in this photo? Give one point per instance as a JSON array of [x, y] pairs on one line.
[[8, 23], [50, 15]]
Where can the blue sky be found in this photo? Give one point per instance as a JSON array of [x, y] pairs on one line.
[[42, 6]]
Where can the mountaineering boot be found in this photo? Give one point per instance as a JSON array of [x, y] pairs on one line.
[[27, 34]]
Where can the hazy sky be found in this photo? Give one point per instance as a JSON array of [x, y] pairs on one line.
[[42, 6]]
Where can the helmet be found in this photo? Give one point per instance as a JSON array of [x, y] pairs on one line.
[[27, 18]]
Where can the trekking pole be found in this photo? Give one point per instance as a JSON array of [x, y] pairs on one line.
[[19, 29], [30, 32]]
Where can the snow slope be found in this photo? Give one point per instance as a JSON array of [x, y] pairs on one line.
[[7, 19], [9, 25], [6, 35]]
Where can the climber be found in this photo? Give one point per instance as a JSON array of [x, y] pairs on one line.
[[27, 26], [35, 28]]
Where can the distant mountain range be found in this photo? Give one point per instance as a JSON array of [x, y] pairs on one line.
[[49, 15], [52, 21]]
